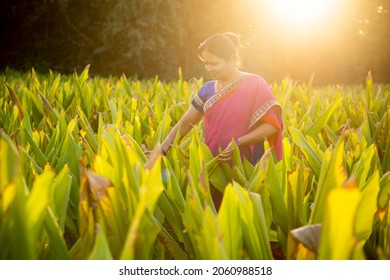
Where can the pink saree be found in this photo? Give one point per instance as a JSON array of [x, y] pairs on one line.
[[237, 109]]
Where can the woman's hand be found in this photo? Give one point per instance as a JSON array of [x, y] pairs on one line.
[[227, 154]]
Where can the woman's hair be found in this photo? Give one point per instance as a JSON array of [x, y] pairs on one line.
[[223, 45]]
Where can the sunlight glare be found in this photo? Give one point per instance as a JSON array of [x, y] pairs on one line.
[[301, 14]]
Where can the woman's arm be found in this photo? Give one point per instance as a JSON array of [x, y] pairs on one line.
[[184, 125], [260, 133]]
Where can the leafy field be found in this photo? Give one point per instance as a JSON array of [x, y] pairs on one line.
[[75, 182]]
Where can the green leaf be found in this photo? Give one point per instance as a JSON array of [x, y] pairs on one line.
[[230, 223], [367, 207], [84, 75], [332, 175], [8, 154], [39, 156], [313, 158], [386, 157], [321, 121], [56, 241], [279, 208], [60, 192], [211, 240], [138, 244], [338, 237], [101, 249], [254, 228], [38, 199]]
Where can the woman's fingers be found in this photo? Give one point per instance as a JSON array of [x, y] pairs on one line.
[[226, 155]]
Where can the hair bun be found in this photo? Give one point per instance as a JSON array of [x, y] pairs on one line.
[[233, 37]]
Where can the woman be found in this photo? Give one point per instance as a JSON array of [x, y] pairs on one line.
[[235, 105]]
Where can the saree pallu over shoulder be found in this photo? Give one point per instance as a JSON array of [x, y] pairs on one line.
[[263, 110], [220, 94]]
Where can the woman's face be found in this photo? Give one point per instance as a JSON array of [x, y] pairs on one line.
[[217, 67]]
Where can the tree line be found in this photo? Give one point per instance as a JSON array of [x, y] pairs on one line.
[[145, 38]]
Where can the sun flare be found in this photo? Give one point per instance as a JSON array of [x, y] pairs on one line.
[[302, 14]]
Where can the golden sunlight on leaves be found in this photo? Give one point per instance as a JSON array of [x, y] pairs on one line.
[[342, 205]]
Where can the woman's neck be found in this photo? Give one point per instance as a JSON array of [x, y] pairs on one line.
[[226, 80]]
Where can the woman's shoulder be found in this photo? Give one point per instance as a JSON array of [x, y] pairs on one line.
[[206, 90], [208, 85], [252, 77], [257, 82], [204, 93]]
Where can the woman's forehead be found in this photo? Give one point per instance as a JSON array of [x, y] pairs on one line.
[[208, 56]]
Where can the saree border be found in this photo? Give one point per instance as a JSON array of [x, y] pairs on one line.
[[210, 102], [262, 111]]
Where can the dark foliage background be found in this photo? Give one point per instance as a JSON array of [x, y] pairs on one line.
[[144, 38]]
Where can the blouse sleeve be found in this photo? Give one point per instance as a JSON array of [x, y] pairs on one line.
[[204, 93]]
